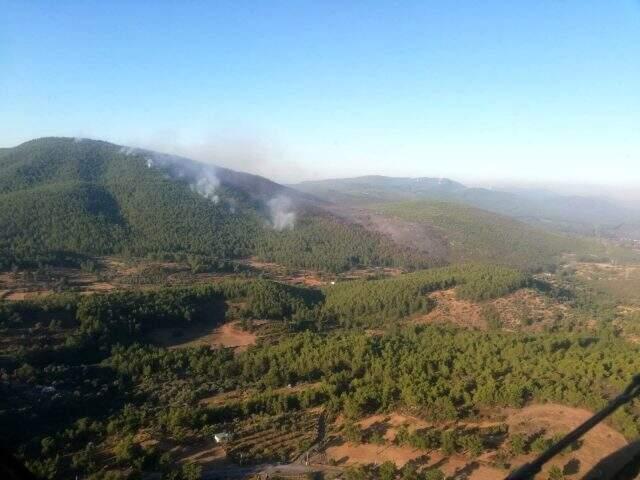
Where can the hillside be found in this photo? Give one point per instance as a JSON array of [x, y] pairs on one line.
[[575, 214], [478, 235], [61, 197]]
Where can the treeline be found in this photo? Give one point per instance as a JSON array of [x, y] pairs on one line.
[[444, 372], [374, 302], [127, 316]]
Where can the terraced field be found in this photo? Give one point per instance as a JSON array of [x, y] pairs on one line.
[[283, 438]]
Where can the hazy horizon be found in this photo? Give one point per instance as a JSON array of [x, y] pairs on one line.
[[254, 161], [543, 93]]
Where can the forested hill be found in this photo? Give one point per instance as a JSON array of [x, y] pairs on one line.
[[63, 197]]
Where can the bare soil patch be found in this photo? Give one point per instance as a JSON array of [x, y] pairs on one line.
[[228, 335], [390, 423], [351, 453], [459, 466], [449, 309]]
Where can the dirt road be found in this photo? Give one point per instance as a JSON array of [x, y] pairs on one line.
[[292, 469]]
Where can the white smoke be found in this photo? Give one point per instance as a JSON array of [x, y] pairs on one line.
[[128, 151], [282, 213], [201, 178], [240, 149], [207, 183]]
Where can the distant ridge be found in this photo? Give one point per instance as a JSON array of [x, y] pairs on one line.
[[574, 214]]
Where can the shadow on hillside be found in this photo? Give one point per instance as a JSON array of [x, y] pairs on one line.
[[623, 464]]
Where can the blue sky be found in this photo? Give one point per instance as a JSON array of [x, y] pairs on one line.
[[530, 90]]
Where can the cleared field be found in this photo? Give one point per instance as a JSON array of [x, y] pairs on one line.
[[312, 278], [208, 453], [229, 335], [454, 466], [448, 309], [236, 396], [26, 285], [366, 453]]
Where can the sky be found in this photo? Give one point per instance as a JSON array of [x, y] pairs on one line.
[[532, 91]]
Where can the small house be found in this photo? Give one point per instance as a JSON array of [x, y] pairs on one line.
[[222, 437]]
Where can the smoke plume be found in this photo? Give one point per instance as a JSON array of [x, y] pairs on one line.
[[282, 213], [204, 179]]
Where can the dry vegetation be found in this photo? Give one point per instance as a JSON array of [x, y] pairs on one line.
[[525, 309]]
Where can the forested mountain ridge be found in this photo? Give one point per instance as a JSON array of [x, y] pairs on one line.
[[61, 197], [57, 159], [86, 189]]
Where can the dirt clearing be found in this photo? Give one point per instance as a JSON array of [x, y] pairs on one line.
[[552, 419], [228, 335]]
